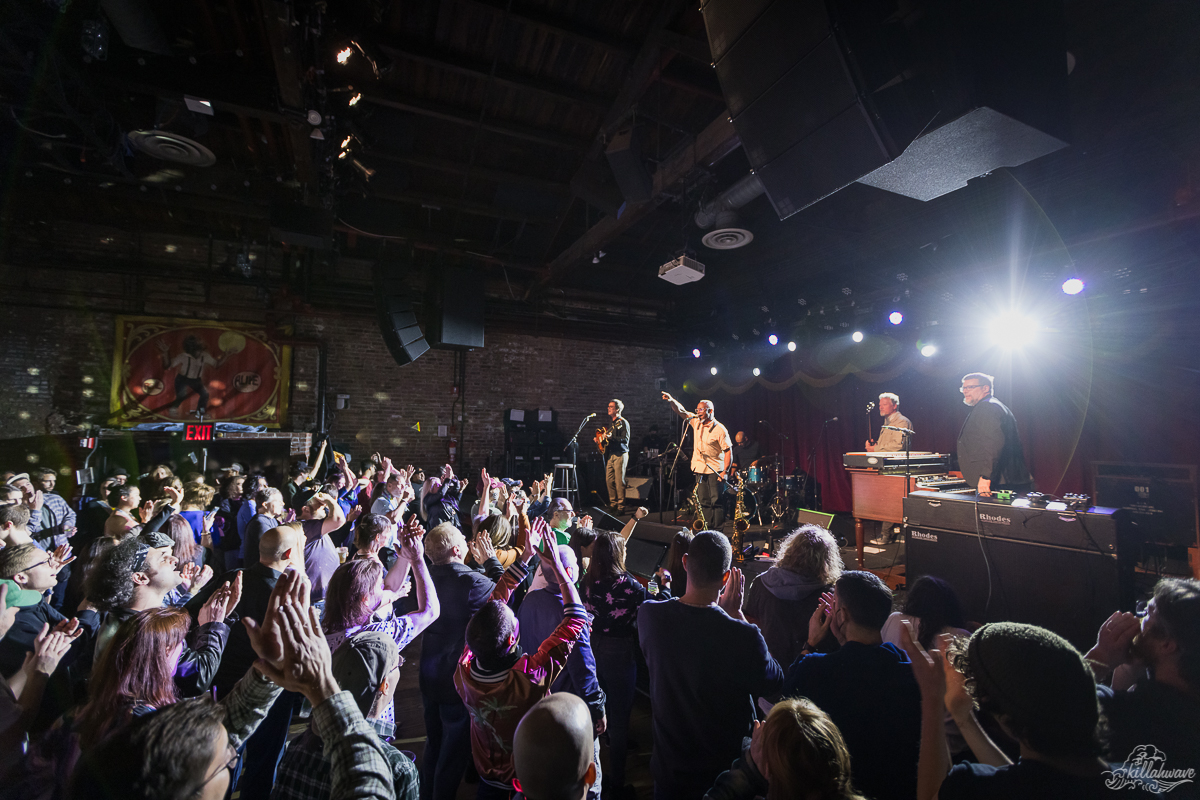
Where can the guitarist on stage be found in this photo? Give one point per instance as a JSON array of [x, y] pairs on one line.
[[614, 443]]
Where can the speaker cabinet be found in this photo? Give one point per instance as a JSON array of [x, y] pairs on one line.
[[827, 92], [457, 321], [1160, 499], [1069, 591], [397, 321], [624, 154]]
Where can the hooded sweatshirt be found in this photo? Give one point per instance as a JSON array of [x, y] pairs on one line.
[[781, 602]]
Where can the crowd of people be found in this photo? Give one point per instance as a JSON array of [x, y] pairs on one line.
[[169, 637]]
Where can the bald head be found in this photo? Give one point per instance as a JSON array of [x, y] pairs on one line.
[[275, 546], [552, 749]]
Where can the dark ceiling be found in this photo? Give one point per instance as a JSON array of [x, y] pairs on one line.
[[476, 134]]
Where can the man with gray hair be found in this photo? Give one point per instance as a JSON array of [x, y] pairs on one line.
[[890, 440], [712, 455], [989, 447]]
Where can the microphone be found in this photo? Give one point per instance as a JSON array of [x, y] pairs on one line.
[[763, 422], [589, 416], [831, 419], [871, 406], [902, 430]]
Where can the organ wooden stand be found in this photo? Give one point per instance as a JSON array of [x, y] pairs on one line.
[[878, 485]]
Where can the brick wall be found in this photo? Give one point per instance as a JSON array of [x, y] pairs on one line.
[[60, 361]]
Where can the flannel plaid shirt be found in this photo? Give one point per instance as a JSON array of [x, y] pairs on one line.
[[342, 750]]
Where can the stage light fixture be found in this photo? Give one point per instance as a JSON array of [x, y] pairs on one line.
[[695, 352], [895, 318], [1012, 330], [344, 54], [857, 336], [773, 339], [1072, 286], [792, 346], [757, 372], [928, 350], [712, 370], [354, 99]]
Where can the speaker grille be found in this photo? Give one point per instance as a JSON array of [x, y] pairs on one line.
[[172, 147]]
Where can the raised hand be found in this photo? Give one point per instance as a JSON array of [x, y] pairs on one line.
[[1115, 639], [821, 619], [174, 494], [354, 514], [731, 596], [481, 547], [929, 666], [8, 614], [202, 578], [61, 557], [305, 665], [485, 481], [145, 511], [69, 627], [267, 637], [189, 571], [48, 649], [412, 546], [221, 603], [585, 521]]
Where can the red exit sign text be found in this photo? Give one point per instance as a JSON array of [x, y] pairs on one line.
[[198, 433]]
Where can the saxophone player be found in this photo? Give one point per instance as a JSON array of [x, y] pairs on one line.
[[616, 455], [712, 454]]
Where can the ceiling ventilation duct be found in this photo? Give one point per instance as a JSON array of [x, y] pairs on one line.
[[172, 147], [722, 212], [136, 25]]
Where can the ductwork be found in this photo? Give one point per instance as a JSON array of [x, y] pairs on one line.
[[722, 212], [731, 199]]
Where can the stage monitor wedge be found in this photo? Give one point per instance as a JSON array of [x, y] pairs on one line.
[[398, 323]]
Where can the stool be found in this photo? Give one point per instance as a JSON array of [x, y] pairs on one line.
[[566, 483]]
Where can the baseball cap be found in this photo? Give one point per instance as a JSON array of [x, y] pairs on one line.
[[20, 476], [21, 598], [362, 662]]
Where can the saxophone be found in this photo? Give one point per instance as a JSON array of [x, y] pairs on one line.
[[698, 522], [740, 523]]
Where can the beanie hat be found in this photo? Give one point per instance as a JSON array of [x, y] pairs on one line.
[[155, 539], [1037, 679], [362, 662]]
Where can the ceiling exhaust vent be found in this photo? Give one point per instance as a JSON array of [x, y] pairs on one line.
[[172, 147]]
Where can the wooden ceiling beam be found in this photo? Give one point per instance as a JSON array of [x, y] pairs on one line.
[[461, 116], [462, 168], [481, 71]]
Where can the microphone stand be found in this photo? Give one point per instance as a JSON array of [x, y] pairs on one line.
[[812, 465], [573, 446], [870, 408], [674, 471]]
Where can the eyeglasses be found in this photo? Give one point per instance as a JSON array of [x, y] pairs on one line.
[[963, 390], [35, 566], [232, 765]]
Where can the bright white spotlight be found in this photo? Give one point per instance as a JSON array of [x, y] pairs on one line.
[[1012, 330], [857, 336], [354, 99], [757, 372], [344, 54], [713, 370], [792, 346], [928, 350], [1072, 286], [773, 339], [895, 318], [695, 352]]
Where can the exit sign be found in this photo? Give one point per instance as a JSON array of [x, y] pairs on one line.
[[198, 433]]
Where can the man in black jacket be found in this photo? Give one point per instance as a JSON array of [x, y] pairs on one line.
[[461, 591], [989, 448]]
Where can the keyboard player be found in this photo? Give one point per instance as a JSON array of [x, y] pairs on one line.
[[890, 441]]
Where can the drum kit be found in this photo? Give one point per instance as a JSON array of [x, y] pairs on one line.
[[772, 498]]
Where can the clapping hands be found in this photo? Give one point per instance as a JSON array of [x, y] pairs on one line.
[[292, 647], [222, 602], [481, 547], [821, 619]]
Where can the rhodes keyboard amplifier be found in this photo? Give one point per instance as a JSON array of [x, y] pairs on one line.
[[1055, 569]]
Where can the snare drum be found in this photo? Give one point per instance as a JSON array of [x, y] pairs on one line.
[[755, 476], [789, 484]]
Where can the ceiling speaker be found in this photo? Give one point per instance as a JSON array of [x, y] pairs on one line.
[[172, 147]]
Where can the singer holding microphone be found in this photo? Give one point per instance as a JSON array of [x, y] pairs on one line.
[[712, 453], [890, 440]]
